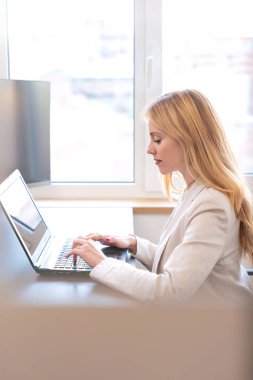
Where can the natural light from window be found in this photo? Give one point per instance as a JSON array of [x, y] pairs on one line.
[[87, 55], [211, 50]]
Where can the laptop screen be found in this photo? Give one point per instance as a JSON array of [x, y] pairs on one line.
[[21, 209]]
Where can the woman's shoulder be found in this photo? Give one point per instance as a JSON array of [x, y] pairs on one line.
[[210, 198], [217, 195]]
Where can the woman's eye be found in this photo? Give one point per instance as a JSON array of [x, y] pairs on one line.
[[157, 141]]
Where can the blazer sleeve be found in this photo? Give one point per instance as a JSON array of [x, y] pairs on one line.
[[145, 252], [205, 232]]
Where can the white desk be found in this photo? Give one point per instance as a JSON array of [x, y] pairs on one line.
[[71, 221], [25, 287]]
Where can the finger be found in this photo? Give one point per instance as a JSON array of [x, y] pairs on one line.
[[74, 254], [74, 251], [74, 243], [74, 259], [80, 246], [78, 242], [96, 236], [69, 254], [93, 243], [93, 235], [109, 240], [82, 237]]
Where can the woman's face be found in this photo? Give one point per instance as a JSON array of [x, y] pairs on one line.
[[167, 152]]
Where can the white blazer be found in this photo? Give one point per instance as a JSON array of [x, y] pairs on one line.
[[198, 256]]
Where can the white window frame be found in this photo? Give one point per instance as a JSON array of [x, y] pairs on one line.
[[147, 85]]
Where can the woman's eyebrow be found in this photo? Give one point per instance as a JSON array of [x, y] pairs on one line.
[[152, 134]]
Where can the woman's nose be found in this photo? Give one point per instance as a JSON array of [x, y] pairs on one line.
[[150, 149]]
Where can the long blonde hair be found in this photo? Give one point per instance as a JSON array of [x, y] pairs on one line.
[[188, 117]]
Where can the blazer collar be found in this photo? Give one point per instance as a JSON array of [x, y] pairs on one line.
[[189, 195], [176, 215]]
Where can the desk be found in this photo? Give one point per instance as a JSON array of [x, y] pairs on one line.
[[25, 287], [61, 327]]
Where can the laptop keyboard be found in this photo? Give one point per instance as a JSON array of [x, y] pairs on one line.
[[63, 262]]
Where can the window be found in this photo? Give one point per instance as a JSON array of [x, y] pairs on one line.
[[106, 59], [87, 55], [212, 50]]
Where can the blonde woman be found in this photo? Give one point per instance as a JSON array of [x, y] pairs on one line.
[[209, 231]]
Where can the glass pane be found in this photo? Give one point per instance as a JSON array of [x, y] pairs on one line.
[[85, 49], [209, 47]]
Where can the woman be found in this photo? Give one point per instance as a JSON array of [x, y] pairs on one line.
[[198, 256]]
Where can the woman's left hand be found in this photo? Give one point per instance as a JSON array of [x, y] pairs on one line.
[[88, 250]]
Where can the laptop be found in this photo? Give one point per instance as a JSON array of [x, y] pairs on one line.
[[45, 251]]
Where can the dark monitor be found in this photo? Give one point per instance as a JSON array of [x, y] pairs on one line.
[[25, 129]]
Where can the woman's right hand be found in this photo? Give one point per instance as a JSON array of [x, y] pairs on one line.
[[125, 241]]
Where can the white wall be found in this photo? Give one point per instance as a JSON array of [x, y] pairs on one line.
[[149, 226]]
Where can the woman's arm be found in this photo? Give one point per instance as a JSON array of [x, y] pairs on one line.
[[140, 248], [187, 266]]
